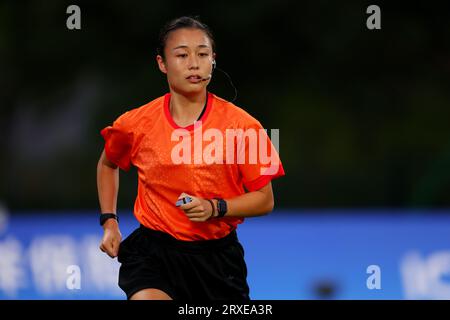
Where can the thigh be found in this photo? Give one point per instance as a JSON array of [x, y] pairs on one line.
[[150, 294]]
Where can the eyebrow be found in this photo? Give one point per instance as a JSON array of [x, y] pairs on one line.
[[184, 46]]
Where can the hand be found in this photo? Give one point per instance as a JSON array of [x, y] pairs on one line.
[[111, 238], [198, 210]]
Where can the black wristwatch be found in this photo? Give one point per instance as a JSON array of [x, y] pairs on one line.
[[221, 207], [106, 216]]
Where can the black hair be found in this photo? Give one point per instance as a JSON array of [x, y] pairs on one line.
[[179, 23]]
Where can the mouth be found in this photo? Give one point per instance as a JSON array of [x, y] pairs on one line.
[[194, 78]]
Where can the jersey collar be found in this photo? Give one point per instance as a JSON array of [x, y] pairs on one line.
[[190, 127]]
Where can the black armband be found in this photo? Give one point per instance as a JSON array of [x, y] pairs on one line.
[[106, 216]]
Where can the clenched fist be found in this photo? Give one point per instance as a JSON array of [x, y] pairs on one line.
[[198, 209], [111, 238]]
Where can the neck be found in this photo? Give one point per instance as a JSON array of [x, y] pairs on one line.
[[185, 110]]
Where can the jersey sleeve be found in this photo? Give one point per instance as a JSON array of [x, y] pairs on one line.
[[258, 159], [119, 142]]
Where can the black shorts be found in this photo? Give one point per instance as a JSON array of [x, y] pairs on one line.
[[185, 270]]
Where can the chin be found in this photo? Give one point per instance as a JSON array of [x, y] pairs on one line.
[[189, 90]]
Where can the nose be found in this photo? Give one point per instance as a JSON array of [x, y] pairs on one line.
[[193, 62]]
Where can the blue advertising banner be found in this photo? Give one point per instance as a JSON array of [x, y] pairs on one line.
[[290, 255]]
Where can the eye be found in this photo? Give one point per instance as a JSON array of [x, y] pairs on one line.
[[182, 55], [203, 54]]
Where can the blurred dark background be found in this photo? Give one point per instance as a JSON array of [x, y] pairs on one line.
[[363, 114]]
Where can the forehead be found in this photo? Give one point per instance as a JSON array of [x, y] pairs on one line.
[[187, 37]]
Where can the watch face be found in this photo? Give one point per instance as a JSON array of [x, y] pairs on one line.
[[222, 206]]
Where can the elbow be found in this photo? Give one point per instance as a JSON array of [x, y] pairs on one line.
[[268, 208], [267, 200], [271, 205]]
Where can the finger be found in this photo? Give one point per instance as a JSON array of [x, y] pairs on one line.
[[110, 252], [183, 195], [195, 210], [102, 248], [195, 215], [197, 219], [108, 249], [116, 246], [194, 203], [113, 253]]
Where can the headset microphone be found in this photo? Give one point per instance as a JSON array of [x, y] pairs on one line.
[[226, 74], [210, 75]]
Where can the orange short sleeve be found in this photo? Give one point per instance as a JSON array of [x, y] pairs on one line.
[[119, 143], [257, 157]]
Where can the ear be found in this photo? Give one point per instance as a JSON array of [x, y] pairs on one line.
[[161, 64]]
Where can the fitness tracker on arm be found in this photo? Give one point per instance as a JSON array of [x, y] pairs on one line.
[[221, 207], [106, 216]]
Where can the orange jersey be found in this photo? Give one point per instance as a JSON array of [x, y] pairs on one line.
[[203, 160]]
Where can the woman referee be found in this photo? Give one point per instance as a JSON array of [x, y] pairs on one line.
[[194, 187]]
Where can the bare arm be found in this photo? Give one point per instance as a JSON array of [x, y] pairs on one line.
[[108, 187], [251, 204], [107, 184]]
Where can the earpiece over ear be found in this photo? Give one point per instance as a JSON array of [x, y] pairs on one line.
[[210, 75]]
